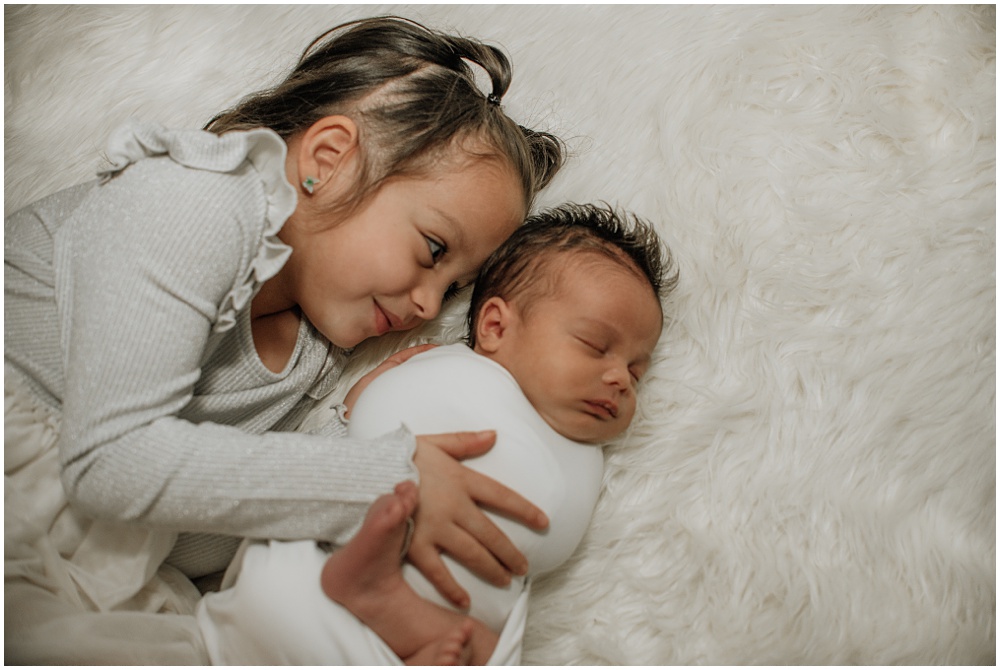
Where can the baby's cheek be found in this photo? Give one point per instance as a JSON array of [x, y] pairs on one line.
[[627, 414]]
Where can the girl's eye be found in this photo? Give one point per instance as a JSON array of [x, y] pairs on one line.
[[596, 348], [437, 249]]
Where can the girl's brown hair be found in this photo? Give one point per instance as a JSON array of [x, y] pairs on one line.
[[412, 93]]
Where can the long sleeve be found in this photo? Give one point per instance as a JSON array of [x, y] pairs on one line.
[[143, 277]]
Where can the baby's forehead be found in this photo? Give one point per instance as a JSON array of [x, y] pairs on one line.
[[569, 273], [594, 263]]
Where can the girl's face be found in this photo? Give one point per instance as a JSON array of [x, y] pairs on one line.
[[578, 355], [390, 263]]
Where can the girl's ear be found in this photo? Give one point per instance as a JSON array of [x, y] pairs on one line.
[[495, 317], [327, 152]]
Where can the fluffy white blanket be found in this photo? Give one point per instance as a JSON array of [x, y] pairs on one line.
[[811, 478]]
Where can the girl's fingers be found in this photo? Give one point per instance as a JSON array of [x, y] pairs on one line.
[[491, 554], [483, 489], [467, 550], [491, 493], [427, 559], [462, 445]]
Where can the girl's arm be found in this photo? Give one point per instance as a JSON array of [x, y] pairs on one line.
[[155, 252]]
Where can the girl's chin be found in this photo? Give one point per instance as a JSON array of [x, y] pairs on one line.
[[346, 340], [353, 342]]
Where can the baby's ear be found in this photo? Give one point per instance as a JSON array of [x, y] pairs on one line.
[[494, 319]]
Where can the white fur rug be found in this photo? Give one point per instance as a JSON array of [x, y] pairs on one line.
[[812, 476]]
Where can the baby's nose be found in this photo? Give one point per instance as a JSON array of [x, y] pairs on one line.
[[617, 375]]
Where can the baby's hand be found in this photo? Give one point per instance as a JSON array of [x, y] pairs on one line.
[[396, 359], [449, 518]]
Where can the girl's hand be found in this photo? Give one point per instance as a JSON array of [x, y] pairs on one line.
[[396, 359], [449, 518]]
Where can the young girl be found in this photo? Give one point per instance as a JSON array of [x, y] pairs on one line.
[[168, 325]]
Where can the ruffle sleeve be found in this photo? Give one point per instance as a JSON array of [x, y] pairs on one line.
[[202, 150]]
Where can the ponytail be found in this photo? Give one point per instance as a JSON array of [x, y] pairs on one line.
[[412, 93]]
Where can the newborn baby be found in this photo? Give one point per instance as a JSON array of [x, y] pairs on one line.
[[563, 322]]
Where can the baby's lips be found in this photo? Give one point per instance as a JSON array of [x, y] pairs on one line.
[[607, 408]]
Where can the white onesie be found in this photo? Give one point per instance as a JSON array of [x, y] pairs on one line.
[[276, 613]]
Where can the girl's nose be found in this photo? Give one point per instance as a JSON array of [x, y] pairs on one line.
[[427, 301]]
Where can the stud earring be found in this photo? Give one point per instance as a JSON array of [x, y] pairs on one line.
[[309, 184]]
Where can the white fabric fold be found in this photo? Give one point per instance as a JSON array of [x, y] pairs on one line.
[[75, 590]]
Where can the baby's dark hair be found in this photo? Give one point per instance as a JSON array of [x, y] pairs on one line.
[[412, 94], [517, 268]]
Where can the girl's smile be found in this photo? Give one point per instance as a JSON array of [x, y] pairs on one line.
[[385, 320]]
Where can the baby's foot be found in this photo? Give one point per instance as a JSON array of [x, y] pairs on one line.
[[452, 649], [369, 566]]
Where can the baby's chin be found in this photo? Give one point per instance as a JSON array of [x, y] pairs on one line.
[[598, 434]]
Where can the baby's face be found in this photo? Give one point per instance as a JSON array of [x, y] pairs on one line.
[[579, 355]]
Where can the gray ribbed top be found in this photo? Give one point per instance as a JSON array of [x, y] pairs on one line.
[[127, 309]]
